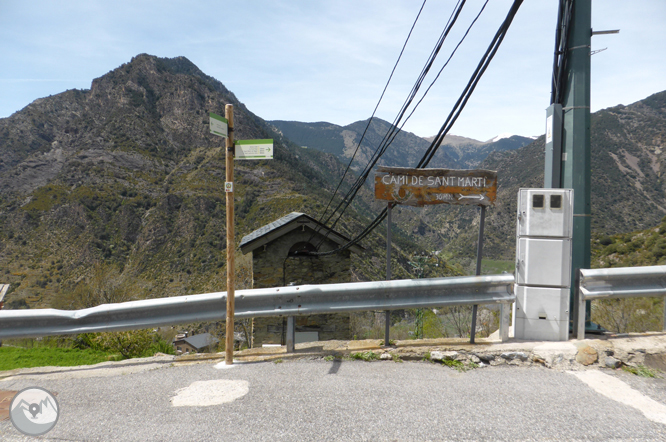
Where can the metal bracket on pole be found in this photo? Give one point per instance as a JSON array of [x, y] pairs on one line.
[[553, 161]]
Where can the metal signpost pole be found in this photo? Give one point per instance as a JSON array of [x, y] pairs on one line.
[[231, 243], [479, 253], [421, 187], [387, 330]]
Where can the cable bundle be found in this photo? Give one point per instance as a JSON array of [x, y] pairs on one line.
[[444, 130]]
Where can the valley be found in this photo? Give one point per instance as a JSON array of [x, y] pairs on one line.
[[118, 189]]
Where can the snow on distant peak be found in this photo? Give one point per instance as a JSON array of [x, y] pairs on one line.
[[500, 136]]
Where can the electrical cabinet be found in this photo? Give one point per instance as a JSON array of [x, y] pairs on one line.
[[545, 213], [543, 264], [541, 313]]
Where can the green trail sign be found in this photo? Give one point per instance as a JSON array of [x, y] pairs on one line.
[[254, 149], [219, 125]]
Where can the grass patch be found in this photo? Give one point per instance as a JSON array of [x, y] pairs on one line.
[[641, 370], [364, 356], [13, 357], [495, 266], [460, 366]]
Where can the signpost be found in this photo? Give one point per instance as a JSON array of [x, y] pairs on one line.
[[242, 150], [219, 125], [422, 187], [254, 149]]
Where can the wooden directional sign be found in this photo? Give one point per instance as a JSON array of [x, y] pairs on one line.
[[219, 125], [421, 187]]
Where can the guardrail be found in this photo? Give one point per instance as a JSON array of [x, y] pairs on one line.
[[619, 282], [280, 301]]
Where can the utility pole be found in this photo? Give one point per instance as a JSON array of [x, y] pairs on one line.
[[568, 150], [576, 157], [231, 242]]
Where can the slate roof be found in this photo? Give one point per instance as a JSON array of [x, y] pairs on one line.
[[286, 224], [201, 341]]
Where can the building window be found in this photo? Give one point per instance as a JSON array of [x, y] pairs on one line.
[[301, 248]]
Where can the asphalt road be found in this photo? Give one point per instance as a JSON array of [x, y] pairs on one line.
[[343, 400]]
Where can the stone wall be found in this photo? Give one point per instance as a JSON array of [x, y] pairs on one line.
[[273, 267]]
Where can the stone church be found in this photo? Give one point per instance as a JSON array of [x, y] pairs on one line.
[[278, 260]]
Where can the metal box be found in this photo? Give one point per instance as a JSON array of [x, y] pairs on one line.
[[543, 303], [543, 262], [545, 213], [541, 313], [540, 330]]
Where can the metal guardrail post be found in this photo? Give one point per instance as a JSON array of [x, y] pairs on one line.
[[618, 282], [579, 308], [291, 334], [504, 322]]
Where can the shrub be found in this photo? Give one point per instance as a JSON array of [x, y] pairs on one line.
[[129, 344], [606, 241]]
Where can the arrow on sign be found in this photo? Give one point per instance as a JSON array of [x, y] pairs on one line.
[[471, 197]]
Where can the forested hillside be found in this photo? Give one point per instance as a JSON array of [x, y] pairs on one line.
[[118, 190]]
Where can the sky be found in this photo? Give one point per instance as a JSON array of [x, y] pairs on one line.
[[306, 60]]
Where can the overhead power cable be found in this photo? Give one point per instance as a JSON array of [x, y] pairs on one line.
[[564, 14], [393, 131], [358, 145], [452, 117], [471, 85]]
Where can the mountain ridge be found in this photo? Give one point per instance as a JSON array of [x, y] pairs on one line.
[[405, 150], [628, 192], [117, 190]]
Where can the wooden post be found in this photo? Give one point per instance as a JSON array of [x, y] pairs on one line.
[[231, 243]]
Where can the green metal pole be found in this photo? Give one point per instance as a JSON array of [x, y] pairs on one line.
[[576, 158]]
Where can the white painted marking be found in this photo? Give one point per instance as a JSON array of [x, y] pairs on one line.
[[617, 390], [205, 393], [223, 365]]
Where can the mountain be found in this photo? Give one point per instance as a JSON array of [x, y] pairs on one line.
[[117, 191], [406, 149], [469, 153], [628, 148], [645, 247]]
